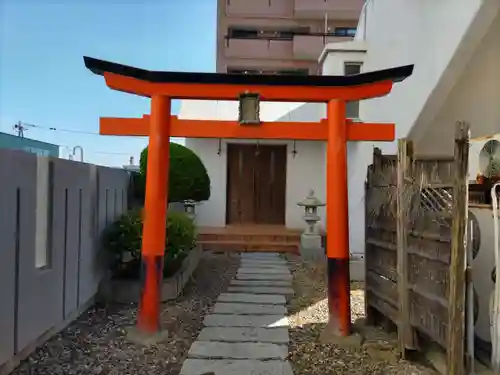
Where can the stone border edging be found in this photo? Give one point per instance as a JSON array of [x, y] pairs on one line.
[[129, 291]]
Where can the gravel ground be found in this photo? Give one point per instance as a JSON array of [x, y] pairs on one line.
[[95, 342], [309, 315]]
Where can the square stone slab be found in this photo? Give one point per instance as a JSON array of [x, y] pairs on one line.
[[264, 260], [244, 334], [274, 271], [242, 350], [256, 321], [235, 367], [252, 298], [258, 258], [260, 255], [272, 260], [248, 309], [261, 283], [262, 263], [261, 290], [255, 276]]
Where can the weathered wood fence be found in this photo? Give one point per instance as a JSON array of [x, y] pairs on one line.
[[415, 246]]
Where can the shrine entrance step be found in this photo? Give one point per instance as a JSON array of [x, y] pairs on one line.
[[250, 238]]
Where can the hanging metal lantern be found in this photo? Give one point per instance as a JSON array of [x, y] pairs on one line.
[[249, 109]]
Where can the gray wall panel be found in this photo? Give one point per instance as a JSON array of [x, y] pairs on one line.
[[67, 202]]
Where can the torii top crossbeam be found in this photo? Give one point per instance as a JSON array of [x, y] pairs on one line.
[[218, 86]]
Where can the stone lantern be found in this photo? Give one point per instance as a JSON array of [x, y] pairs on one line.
[[311, 204], [190, 208], [310, 241]]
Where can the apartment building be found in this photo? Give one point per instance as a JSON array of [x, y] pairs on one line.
[[281, 36]]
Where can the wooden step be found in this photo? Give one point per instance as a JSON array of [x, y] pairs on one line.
[[249, 237], [252, 246]]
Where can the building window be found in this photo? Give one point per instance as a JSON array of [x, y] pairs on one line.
[[236, 32], [295, 72], [240, 33], [352, 108], [345, 31]]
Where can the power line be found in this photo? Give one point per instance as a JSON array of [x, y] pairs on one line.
[[25, 124], [21, 126], [99, 152]]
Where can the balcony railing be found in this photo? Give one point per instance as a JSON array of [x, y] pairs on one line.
[[309, 47], [258, 48], [339, 9], [259, 8], [302, 46]]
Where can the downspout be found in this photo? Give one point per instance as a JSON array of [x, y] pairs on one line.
[[364, 14], [495, 298]]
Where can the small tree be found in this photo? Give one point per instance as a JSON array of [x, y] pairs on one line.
[[188, 177]]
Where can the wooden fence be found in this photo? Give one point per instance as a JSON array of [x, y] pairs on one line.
[[415, 254]]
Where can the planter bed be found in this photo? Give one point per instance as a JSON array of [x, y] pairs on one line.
[[128, 291]]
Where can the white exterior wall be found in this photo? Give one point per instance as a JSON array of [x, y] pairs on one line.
[[475, 98], [439, 38], [305, 171]]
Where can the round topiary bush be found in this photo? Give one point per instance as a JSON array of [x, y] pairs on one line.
[[122, 243], [188, 177]]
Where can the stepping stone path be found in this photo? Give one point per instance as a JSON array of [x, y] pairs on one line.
[[247, 331]]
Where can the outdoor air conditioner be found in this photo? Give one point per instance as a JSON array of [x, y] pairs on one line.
[[484, 158], [484, 165]]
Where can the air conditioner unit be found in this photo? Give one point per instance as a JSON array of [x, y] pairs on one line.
[[484, 162], [484, 157]]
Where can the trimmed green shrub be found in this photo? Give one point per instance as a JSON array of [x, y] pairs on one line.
[[122, 243], [188, 177]]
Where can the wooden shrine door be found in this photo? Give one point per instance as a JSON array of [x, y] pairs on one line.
[[256, 184]]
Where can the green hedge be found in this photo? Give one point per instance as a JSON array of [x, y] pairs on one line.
[[122, 243], [188, 177]]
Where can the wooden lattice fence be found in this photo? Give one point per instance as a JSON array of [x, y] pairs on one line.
[[415, 232]]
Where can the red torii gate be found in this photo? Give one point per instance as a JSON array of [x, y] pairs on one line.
[[336, 130]]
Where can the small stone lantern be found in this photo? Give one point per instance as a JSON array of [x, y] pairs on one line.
[[190, 208], [310, 241], [311, 204]]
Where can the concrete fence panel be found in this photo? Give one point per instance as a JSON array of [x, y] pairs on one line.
[[52, 214], [8, 256]]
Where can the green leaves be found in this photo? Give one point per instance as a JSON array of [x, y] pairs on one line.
[[122, 243], [188, 177]]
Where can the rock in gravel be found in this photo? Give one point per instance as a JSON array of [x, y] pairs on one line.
[[95, 343], [308, 315]]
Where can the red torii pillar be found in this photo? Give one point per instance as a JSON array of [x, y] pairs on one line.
[[161, 87]]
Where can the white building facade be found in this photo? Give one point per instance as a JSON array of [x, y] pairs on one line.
[[455, 47]]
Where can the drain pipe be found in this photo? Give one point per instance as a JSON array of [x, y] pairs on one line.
[[495, 298], [364, 13]]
